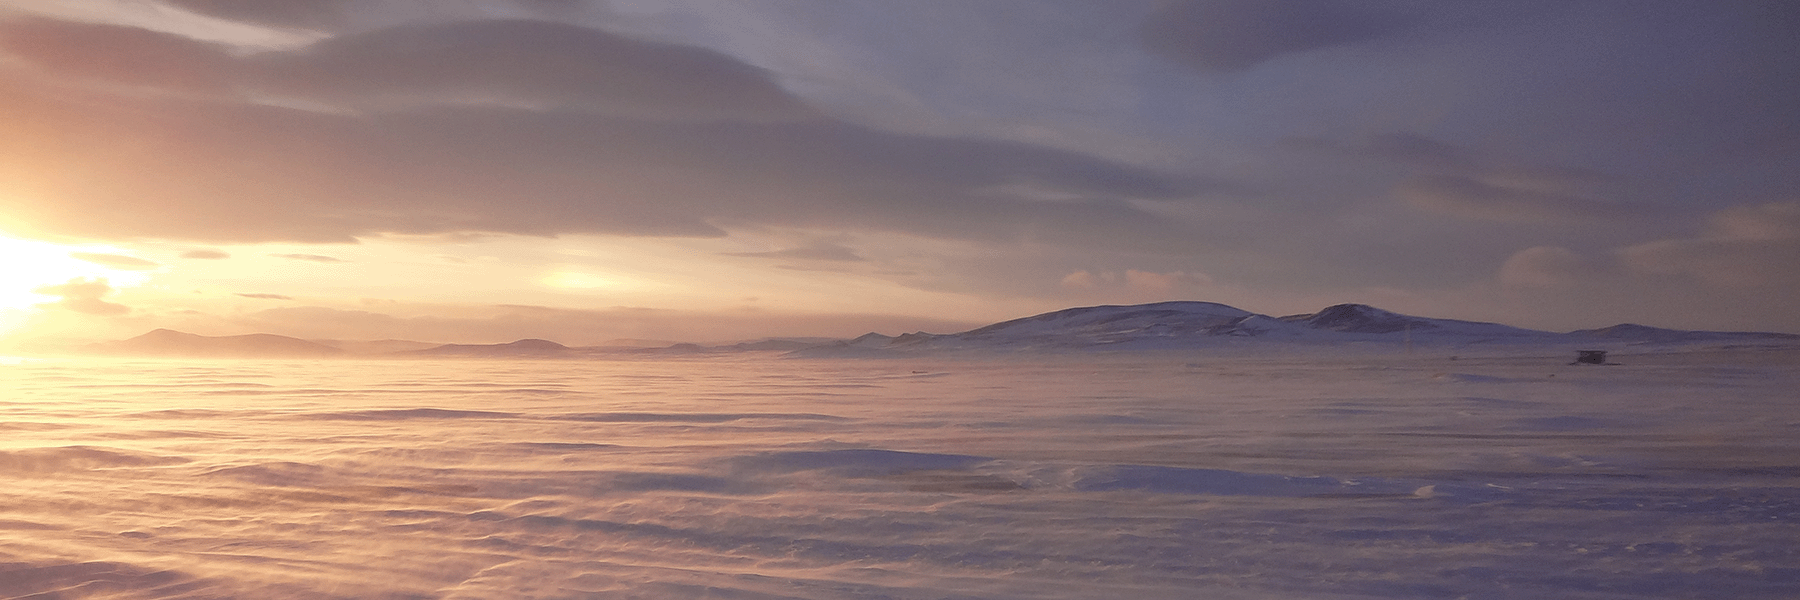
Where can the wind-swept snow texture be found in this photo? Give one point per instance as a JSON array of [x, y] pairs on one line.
[[1187, 475]]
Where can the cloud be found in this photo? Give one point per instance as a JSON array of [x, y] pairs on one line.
[[1232, 35], [267, 296], [1150, 281], [84, 295], [254, 178], [1402, 147], [1770, 222], [128, 263], [1746, 247], [716, 157], [1087, 280], [293, 14], [1724, 262], [319, 258], [1549, 267], [117, 55], [1136, 281], [1412, 147], [1734, 273], [206, 254], [1507, 201], [533, 63], [889, 120], [1740, 249], [1437, 177], [817, 251]]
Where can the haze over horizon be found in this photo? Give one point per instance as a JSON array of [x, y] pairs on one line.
[[481, 172]]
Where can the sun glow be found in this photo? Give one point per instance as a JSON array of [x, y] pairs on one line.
[[580, 280], [32, 266]]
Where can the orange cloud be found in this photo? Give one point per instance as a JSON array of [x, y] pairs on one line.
[[116, 261], [530, 128], [117, 55], [83, 295]]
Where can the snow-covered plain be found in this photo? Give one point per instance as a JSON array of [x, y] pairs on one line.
[[1207, 474]]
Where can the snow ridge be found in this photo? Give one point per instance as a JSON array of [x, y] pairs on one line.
[[1175, 325], [1183, 325]]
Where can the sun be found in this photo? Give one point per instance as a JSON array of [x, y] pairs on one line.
[[31, 265]]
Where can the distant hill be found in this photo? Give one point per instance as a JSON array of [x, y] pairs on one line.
[[170, 343], [757, 345], [522, 348], [1184, 325], [1631, 332], [369, 347], [636, 343], [1157, 326], [1365, 319]]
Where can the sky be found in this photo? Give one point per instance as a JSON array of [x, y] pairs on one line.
[[716, 170]]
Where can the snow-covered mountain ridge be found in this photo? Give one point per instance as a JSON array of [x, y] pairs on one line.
[[1159, 326], [1184, 324]]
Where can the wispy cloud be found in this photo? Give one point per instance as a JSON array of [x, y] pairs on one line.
[[1230, 35], [818, 251], [116, 261], [292, 14], [582, 131], [1505, 201], [319, 258], [1743, 247], [1302, 148]]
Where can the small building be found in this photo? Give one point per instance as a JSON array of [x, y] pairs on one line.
[[1589, 357]]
